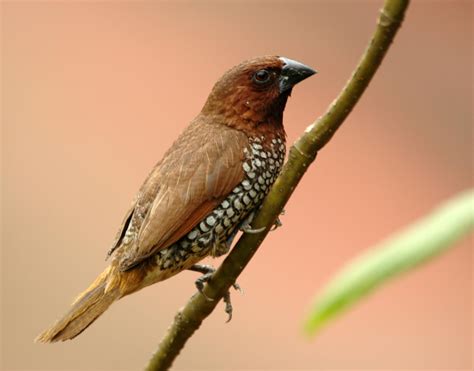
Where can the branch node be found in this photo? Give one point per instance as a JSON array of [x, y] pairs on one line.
[[303, 154], [388, 20]]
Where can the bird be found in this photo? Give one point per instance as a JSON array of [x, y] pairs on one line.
[[206, 188]]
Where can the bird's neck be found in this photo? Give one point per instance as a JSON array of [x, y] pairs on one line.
[[250, 116]]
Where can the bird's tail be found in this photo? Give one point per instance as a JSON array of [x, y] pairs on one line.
[[85, 309]]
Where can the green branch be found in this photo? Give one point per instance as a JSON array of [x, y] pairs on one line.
[[301, 155]]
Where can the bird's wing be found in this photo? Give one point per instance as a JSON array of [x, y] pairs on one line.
[[203, 166]]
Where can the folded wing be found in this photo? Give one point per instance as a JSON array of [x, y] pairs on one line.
[[201, 168]]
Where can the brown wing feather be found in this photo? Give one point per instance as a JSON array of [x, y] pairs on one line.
[[196, 174], [123, 228], [193, 219]]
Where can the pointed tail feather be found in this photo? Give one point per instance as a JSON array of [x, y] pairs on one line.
[[85, 310]]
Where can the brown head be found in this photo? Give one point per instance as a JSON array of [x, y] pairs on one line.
[[252, 95]]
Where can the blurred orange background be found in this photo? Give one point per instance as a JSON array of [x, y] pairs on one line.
[[95, 92]]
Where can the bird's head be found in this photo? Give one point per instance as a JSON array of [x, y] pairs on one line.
[[253, 94]]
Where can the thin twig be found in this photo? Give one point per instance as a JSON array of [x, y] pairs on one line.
[[301, 155]]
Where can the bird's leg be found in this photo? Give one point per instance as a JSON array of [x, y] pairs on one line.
[[207, 272]]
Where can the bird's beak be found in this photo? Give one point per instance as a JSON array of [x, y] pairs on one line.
[[292, 73]]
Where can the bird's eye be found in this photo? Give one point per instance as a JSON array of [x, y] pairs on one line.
[[261, 77]]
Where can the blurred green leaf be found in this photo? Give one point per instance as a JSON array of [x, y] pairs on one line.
[[405, 250]]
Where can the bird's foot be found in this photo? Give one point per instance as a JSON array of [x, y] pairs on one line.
[[207, 272], [276, 225], [228, 306], [227, 302], [278, 222], [247, 228]]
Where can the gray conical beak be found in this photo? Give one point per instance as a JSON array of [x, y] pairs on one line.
[[292, 73]]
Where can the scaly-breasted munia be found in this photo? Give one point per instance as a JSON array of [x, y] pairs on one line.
[[203, 191]]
